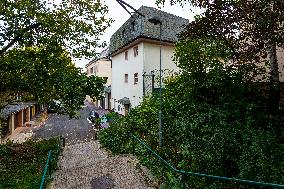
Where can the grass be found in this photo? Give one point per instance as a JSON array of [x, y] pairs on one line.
[[21, 165]]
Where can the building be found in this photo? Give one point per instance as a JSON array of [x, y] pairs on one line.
[[135, 54], [101, 67], [16, 115]]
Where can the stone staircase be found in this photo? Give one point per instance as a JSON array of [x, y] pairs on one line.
[[88, 166]]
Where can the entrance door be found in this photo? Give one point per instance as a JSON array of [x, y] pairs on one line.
[[24, 116], [108, 101], [103, 102], [126, 108]]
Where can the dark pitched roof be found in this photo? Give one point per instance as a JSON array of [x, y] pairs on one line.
[[107, 89], [105, 54], [124, 101], [13, 108], [139, 27]]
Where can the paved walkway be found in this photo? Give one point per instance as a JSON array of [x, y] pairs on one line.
[[73, 130], [84, 164], [88, 166]]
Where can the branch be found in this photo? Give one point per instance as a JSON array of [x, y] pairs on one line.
[[229, 44], [11, 43]]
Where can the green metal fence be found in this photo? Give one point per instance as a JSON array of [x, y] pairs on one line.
[[186, 173], [48, 167]]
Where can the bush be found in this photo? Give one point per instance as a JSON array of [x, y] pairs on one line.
[[21, 165], [112, 116], [214, 122]]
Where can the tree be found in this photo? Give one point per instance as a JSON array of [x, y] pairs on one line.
[[210, 123], [37, 39], [45, 74], [75, 25], [252, 29]]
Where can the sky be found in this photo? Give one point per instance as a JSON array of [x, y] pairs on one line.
[[119, 15]]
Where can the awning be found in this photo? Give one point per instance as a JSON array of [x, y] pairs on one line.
[[124, 100], [107, 89], [15, 107]]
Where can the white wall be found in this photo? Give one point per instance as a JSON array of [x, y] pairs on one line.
[[13, 122], [148, 59], [103, 69], [152, 57], [120, 67]]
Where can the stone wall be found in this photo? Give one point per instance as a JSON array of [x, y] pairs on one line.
[[138, 26]]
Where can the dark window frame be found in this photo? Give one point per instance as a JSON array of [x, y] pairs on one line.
[[136, 79]]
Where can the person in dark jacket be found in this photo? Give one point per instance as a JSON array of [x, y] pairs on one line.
[[93, 117]]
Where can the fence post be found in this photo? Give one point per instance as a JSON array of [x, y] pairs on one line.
[[143, 76], [153, 81], [63, 141], [49, 166]]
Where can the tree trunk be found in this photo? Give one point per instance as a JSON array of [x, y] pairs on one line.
[[274, 87]]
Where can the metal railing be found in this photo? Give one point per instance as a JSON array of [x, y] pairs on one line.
[[47, 167], [220, 178]]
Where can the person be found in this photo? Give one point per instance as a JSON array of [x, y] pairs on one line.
[[93, 116]]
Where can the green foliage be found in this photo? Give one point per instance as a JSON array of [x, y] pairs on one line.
[[116, 139], [22, 164], [214, 122], [37, 39], [112, 116], [46, 74], [75, 25], [252, 30]]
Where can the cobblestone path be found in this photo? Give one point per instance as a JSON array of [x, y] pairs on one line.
[[83, 163], [88, 166]]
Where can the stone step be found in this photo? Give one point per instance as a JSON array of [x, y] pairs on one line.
[[86, 165]]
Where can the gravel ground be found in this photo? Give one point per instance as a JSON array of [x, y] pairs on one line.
[[73, 130]]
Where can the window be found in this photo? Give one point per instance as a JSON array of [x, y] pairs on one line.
[[133, 26], [92, 70], [123, 33], [125, 78], [126, 55], [135, 50], [88, 71], [135, 78]]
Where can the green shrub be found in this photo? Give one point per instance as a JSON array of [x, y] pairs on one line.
[[112, 116], [21, 165], [214, 122]]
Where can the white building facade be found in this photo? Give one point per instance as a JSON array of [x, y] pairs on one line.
[[101, 67], [135, 51]]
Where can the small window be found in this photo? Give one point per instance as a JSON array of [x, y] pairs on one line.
[[125, 78], [135, 50], [118, 108], [123, 33], [126, 55], [135, 78], [92, 70], [133, 26], [88, 71]]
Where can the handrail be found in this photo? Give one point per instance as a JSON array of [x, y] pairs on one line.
[[47, 164], [45, 169], [248, 182]]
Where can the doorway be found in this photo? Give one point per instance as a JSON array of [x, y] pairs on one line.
[[126, 109]]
